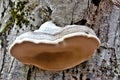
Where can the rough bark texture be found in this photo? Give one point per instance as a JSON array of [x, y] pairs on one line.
[[100, 15]]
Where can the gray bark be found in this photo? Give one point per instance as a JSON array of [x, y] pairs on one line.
[[103, 17]]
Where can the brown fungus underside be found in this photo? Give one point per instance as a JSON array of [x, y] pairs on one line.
[[66, 54]]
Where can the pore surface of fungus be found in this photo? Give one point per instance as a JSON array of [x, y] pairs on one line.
[[55, 48]]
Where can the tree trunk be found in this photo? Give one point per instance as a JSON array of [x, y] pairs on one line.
[[19, 16]]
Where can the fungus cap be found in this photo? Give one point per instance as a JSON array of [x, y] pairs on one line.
[[63, 48]]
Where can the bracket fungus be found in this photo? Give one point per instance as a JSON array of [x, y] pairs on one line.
[[55, 48]]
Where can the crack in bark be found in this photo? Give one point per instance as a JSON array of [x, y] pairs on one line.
[[107, 32], [4, 45], [5, 8], [96, 2], [92, 17], [2, 65], [63, 77], [73, 13], [30, 71], [116, 33], [74, 78], [33, 70], [105, 47], [29, 74], [11, 64], [81, 76], [88, 7]]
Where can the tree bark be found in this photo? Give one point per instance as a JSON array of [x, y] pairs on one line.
[[101, 15]]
